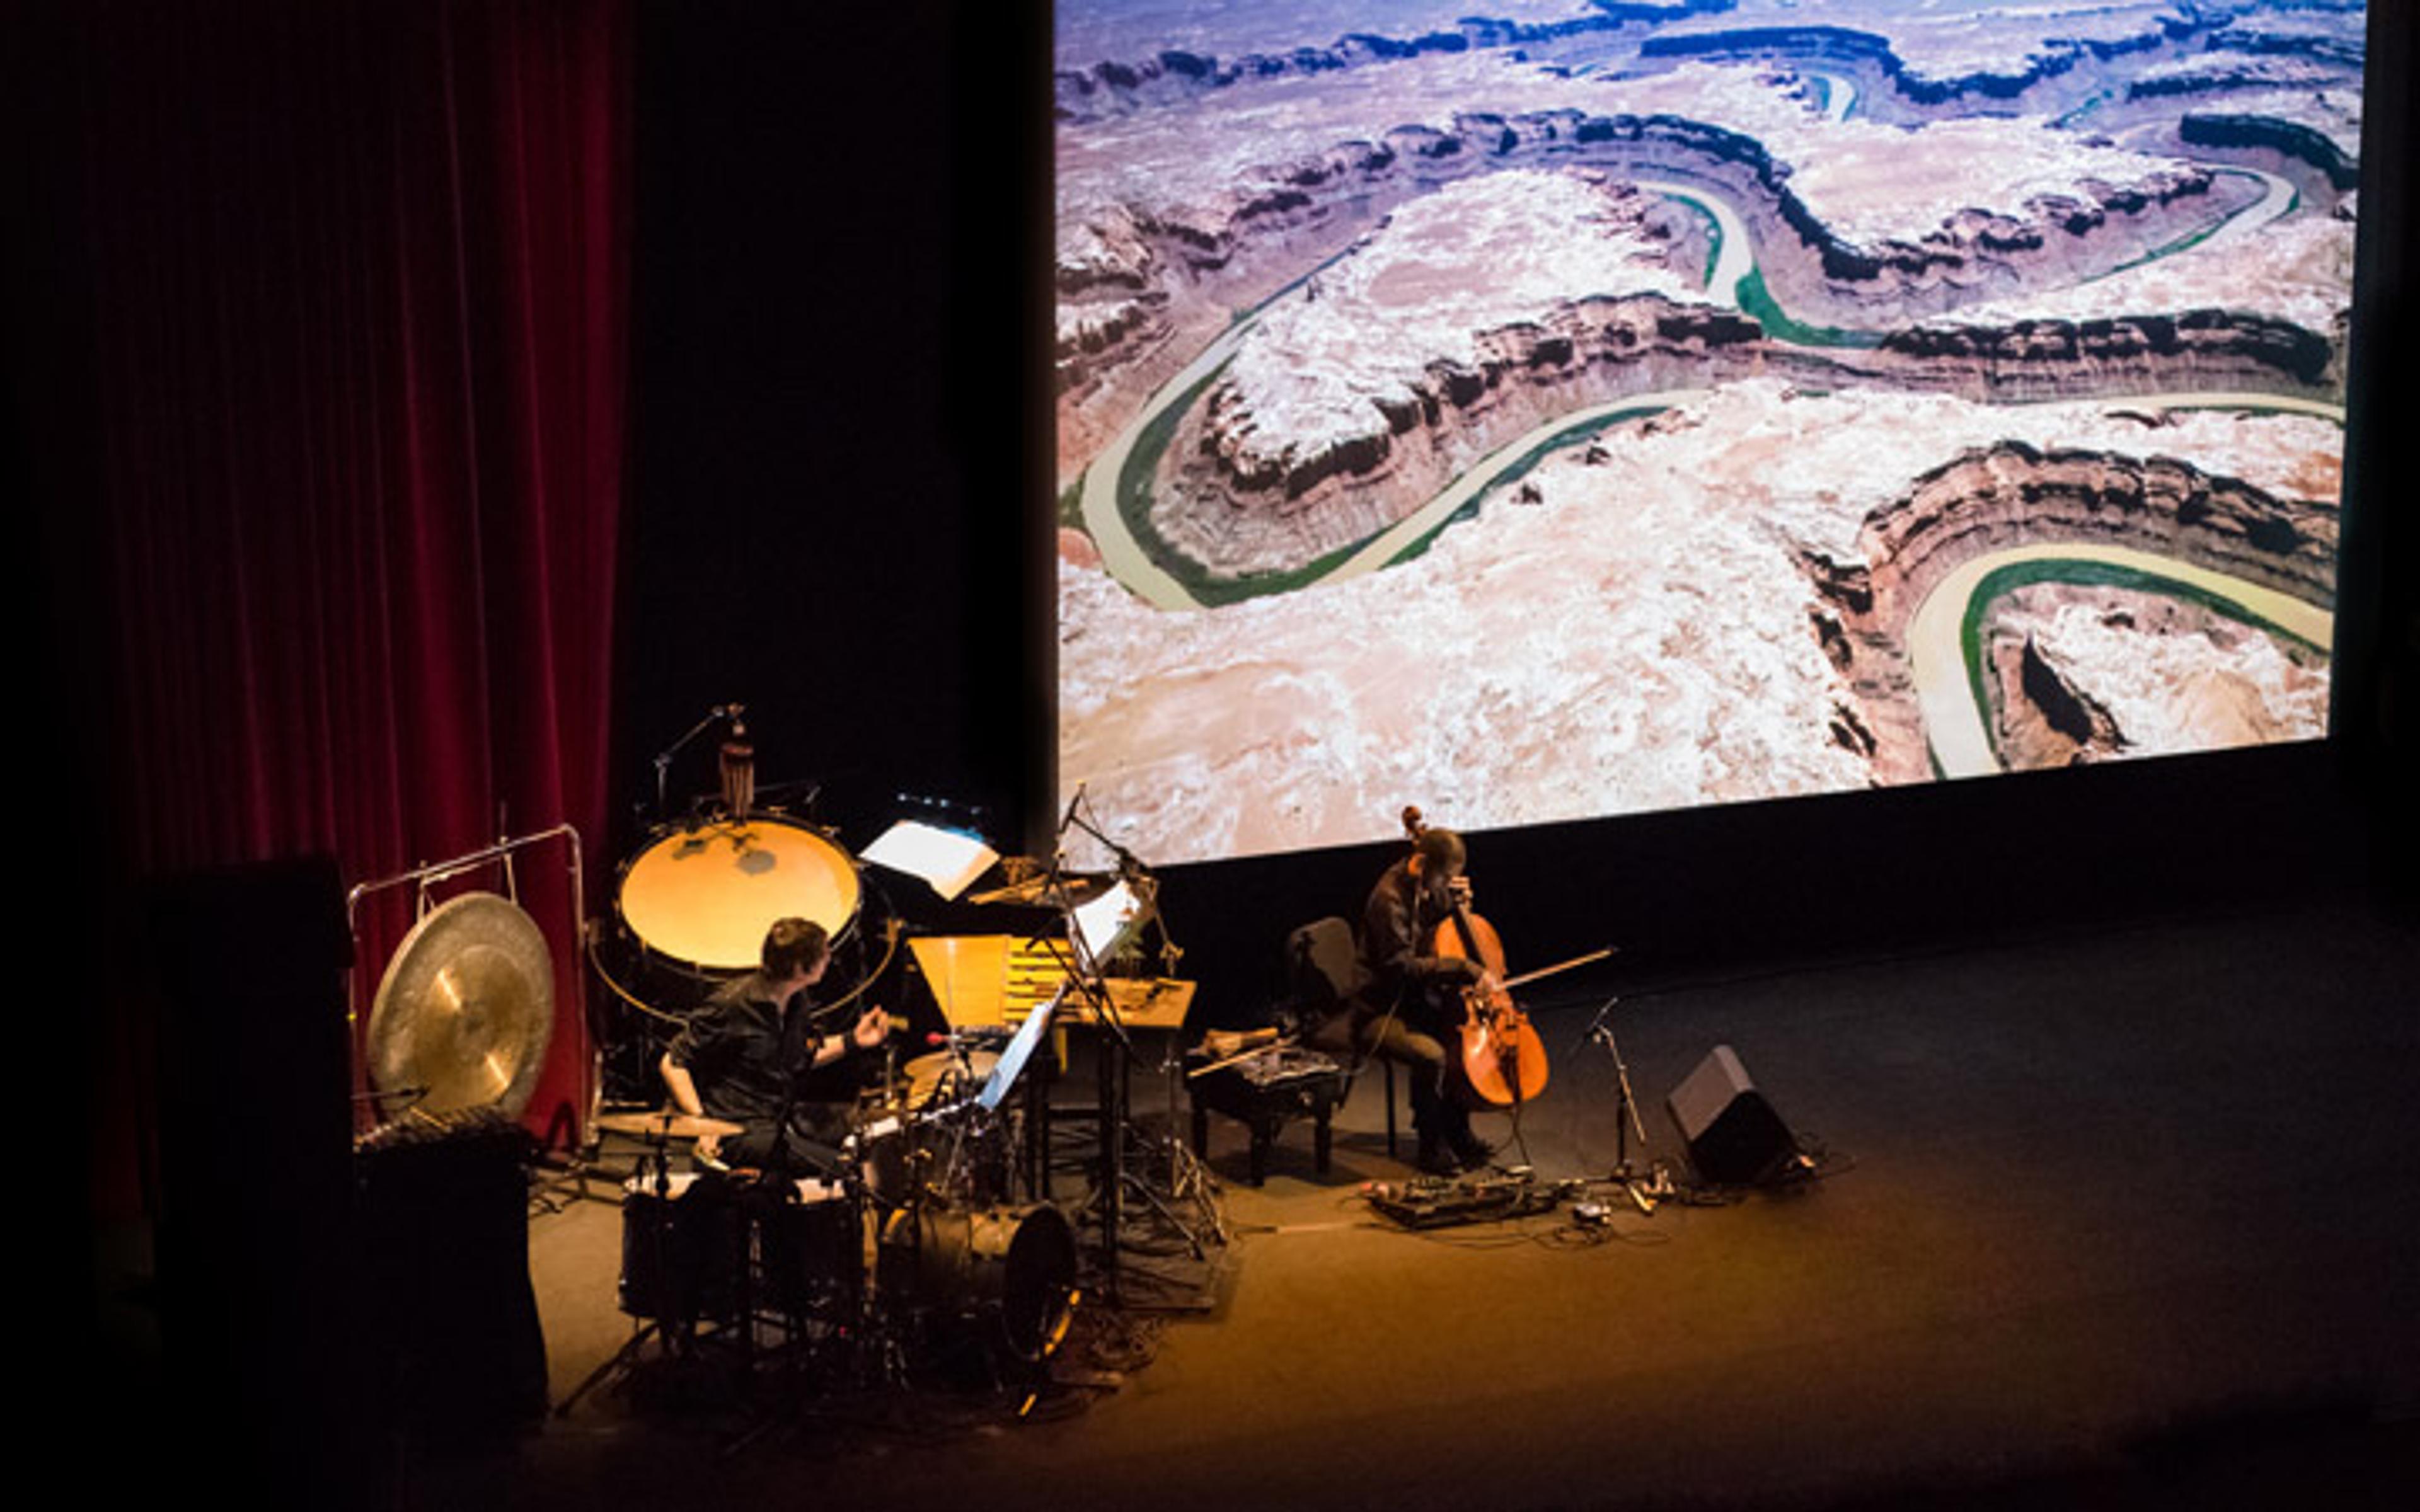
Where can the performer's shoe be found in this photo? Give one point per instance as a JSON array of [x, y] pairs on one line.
[[1435, 1160], [1471, 1152]]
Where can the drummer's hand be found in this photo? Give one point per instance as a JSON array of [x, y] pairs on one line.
[[873, 1027], [708, 1147]]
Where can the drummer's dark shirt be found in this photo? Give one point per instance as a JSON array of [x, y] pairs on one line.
[[743, 1052]]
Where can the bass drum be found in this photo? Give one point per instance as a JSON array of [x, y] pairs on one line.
[[704, 898], [1010, 1270]]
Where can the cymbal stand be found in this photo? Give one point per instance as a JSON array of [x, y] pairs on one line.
[[1191, 1185], [1084, 977], [1642, 1187], [1188, 1184], [1109, 1179], [875, 1354], [1185, 1181], [659, 1227]]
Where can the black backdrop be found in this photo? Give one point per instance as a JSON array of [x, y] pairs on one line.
[[835, 425], [840, 519]]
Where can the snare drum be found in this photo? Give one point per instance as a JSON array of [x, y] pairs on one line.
[[705, 897]]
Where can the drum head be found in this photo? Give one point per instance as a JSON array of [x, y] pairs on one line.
[[704, 899], [1014, 1267]]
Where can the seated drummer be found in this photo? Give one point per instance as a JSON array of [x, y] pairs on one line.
[[755, 1050]]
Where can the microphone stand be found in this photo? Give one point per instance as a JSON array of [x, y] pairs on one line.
[[664, 761], [1626, 1118]]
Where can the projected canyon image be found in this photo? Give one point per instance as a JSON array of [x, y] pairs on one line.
[[1544, 410]]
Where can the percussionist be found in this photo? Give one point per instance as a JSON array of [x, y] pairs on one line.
[[754, 1057]]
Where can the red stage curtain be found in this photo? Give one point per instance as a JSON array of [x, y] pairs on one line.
[[359, 336]]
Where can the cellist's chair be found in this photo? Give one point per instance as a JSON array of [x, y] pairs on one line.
[[1324, 969], [1325, 975]]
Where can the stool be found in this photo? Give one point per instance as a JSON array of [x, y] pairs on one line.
[[1264, 1092]]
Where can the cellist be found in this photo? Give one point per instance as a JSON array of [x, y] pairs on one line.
[[1413, 1008]]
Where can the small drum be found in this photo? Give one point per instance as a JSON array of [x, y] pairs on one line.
[[705, 897], [1011, 1271], [884, 1148], [681, 1250]]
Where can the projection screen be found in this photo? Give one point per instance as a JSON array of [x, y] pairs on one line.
[[1541, 409]]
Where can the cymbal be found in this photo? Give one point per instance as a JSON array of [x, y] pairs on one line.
[[925, 1074], [667, 1125], [466, 1007]]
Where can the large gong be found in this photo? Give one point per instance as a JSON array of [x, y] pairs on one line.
[[465, 1011]]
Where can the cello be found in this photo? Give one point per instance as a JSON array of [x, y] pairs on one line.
[[1503, 1060]]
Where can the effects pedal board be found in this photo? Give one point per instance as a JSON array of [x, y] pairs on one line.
[[1436, 1202]]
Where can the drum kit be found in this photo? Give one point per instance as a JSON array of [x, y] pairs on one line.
[[933, 1230], [913, 1244], [915, 1238]]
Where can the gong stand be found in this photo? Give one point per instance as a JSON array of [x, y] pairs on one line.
[[480, 925]]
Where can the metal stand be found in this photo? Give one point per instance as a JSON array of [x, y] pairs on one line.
[[1115, 1053], [499, 853], [1186, 1180], [1642, 1187], [625, 1358]]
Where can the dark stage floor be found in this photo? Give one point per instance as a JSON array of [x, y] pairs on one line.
[[2113, 1219]]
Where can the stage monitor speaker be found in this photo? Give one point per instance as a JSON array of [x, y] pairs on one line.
[[1734, 1136]]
